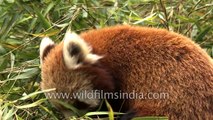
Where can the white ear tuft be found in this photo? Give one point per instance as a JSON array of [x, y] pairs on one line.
[[71, 37], [76, 51], [92, 58], [45, 43]]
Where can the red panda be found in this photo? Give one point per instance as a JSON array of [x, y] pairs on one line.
[[132, 58]]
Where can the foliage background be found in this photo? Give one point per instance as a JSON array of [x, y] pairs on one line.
[[23, 22]]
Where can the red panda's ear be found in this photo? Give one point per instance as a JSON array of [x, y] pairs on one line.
[[76, 51], [46, 45]]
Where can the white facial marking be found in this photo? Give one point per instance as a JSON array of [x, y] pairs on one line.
[[45, 43]]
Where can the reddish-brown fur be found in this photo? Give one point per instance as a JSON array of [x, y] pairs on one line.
[[147, 60]]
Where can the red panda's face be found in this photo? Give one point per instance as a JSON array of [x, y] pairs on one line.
[[67, 67]]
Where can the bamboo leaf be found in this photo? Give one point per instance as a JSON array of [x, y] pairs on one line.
[[203, 33], [47, 33], [8, 113], [28, 74], [37, 103], [8, 26], [148, 18], [111, 113], [36, 93], [70, 107], [49, 111], [3, 63], [42, 18]]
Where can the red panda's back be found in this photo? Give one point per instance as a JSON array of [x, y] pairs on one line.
[[149, 60]]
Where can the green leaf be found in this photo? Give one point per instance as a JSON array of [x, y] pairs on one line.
[[111, 113], [29, 73], [185, 19], [8, 113], [148, 18], [50, 6], [49, 111], [70, 107], [36, 93], [2, 50], [46, 24], [3, 63], [203, 33], [31, 105], [4, 26], [8, 26], [50, 32], [18, 117]]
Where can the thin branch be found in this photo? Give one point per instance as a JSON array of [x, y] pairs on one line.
[[165, 13]]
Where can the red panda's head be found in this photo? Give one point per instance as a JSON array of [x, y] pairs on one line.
[[70, 67]]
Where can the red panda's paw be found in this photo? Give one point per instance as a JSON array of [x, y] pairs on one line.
[[77, 52]]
